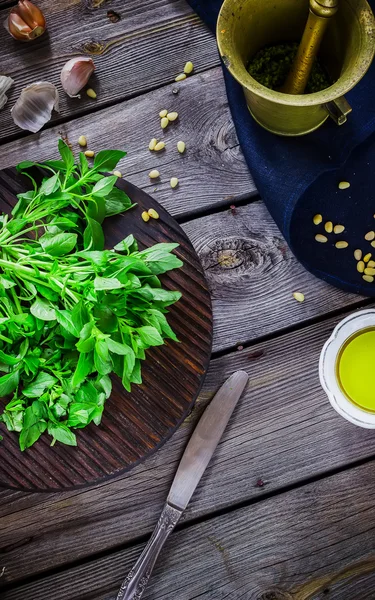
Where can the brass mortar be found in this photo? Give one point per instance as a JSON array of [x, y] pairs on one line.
[[347, 49]]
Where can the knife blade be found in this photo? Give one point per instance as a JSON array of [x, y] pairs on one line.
[[205, 439], [195, 459]]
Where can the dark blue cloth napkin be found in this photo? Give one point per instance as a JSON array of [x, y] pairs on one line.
[[298, 177]]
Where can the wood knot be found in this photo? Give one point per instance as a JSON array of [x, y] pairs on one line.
[[93, 47], [235, 257]]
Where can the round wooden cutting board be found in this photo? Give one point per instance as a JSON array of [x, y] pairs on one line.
[[135, 424]]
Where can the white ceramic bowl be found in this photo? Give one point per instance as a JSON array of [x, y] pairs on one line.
[[327, 368]]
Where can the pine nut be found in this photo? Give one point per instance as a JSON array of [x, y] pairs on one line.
[[82, 141], [159, 146], [317, 219], [181, 146], [145, 216], [368, 278], [321, 238], [358, 254], [367, 257], [89, 153], [338, 229], [328, 226], [370, 235], [153, 214], [371, 263], [344, 185], [360, 266], [298, 296], [91, 93], [373, 244], [164, 122], [174, 182], [152, 144], [341, 245], [163, 113], [154, 174], [117, 173], [188, 68], [172, 116], [369, 271], [180, 77]]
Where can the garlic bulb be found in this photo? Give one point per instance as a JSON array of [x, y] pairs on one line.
[[33, 108], [75, 74], [5, 83], [25, 21]]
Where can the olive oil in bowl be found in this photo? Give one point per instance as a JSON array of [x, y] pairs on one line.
[[355, 369], [346, 368]]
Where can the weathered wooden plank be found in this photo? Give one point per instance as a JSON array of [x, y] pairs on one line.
[[282, 432], [145, 49], [212, 170], [300, 545], [252, 276]]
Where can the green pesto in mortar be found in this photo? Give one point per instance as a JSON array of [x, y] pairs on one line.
[[271, 65]]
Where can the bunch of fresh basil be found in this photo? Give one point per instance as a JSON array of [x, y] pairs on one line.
[[72, 312]]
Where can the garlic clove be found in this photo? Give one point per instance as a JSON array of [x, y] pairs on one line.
[[33, 108], [25, 21], [75, 74], [5, 84]]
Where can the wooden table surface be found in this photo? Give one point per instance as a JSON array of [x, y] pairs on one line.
[[285, 510]]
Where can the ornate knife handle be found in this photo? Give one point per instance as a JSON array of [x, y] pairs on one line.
[[135, 583]]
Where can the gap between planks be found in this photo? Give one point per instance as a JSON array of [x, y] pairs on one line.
[[290, 547]]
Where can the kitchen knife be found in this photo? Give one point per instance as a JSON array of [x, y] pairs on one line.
[[195, 459]]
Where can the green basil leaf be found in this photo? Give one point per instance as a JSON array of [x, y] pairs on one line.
[[29, 436], [50, 185], [136, 376], [58, 165], [96, 208], [66, 154], [106, 320], [64, 317], [106, 160], [93, 236], [58, 244], [158, 295], [43, 310], [150, 336], [107, 283], [106, 384], [83, 368], [163, 323], [12, 420], [88, 393], [6, 282], [102, 361], [36, 388], [86, 345], [7, 359], [117, 347], [104, 186], [80, 315], [62, 433], [80, 414], [128, 244], [83, 163], [8, 383], [26, 164], [117, 202]]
